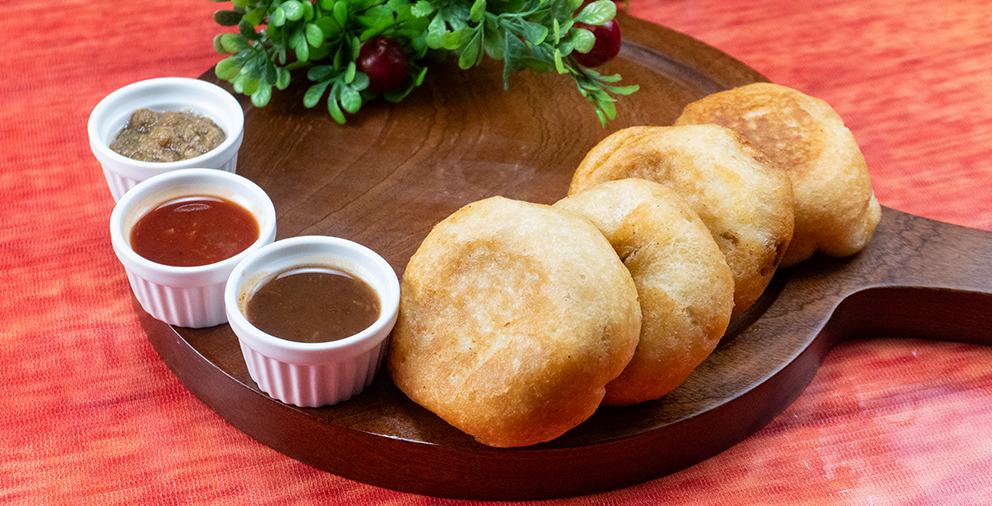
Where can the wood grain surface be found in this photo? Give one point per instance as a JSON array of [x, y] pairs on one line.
[[394, 171]]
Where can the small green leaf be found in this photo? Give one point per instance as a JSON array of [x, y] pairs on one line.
[[298, 41], [597, 12], [218, 46], [320, 73], [351, 100], [419, 78], [624, 90], [602, 118], [451, 40], [261, 96], [232, 43], [516, 53], [270, 73], [314, 35], [349, 73], [255, 17], [436, 32], [341, 13], [360, 81], [249, 85], [227, 18], [492, 42], [582, 40], [237, 83], [277, 17], [608, 107], [478, 10], [471, 52], [250, 64], [242, 3], [356, 48], [469, 56], [282, 78], [247, 30], [313, 94], [227, 68], [422, 9], [334, 109], [292, 9], [535, 33]]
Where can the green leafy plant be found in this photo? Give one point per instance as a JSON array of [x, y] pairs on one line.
[[325, 38]]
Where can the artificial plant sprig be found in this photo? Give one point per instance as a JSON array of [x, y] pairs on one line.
[[326, 37]]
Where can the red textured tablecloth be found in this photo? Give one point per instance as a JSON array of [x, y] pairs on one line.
[[89, 414]]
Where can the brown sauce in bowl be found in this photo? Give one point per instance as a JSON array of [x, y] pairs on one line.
[[195, 230], [169, 136], [313, 304]]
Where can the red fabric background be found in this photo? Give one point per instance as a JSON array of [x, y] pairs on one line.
[[90, 414]]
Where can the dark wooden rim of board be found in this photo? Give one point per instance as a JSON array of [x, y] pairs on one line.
[[394, 170]]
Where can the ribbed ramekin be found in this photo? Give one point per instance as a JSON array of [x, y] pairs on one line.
[[186, 296], [312, 374], [163, 94]]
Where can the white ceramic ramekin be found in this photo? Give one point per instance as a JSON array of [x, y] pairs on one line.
[[160, 95], [186, 296], [312, 374]]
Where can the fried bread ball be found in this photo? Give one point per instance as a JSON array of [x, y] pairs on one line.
[[836, 210], [513, 318], [685, 287], [745, 201]]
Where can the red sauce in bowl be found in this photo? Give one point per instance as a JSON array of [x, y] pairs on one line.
[[195, 230]]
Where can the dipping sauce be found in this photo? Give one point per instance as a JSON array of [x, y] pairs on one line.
[[169, 136], [195, 230], [313, 305]]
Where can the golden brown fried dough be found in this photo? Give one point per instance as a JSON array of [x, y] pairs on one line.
[[836, 210], [685, 287], [744, 200], [513, 318]]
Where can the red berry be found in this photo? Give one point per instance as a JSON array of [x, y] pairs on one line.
[[385, 62], [607, 44]]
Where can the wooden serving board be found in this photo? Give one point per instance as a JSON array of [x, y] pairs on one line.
[[394, 171]]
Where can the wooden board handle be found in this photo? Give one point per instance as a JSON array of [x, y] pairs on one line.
[[921, 279]]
